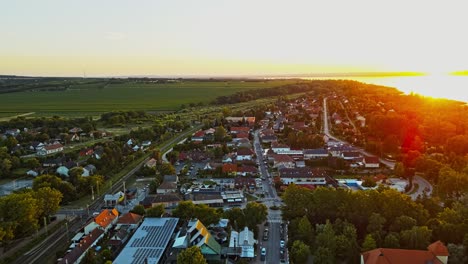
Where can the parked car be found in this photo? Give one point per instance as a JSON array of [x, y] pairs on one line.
[[282, 244], [263, 254]]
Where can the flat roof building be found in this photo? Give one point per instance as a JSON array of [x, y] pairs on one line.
[[149, 242]]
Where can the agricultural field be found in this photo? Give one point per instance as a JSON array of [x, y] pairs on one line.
[[81, 98]]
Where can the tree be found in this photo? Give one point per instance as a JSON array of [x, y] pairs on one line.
[[255, 213], [375, 227], [399, 170], [138, 209], [185, 210], [457, 254], [324, 255], [417, 237], [403, 222], [299, 252], [207, 215], [369, 182], [155, 211], [48, 200], [392, 241], [304, 230], [369, 243], [191, 255], [326, 236], [220, 134], [166, 169]]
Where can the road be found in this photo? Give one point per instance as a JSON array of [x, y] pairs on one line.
[[274, 220], [424, 185], [326, 131]]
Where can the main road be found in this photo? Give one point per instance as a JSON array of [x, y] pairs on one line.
[[275, 232]]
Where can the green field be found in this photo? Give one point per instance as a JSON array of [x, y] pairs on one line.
[[89, 99]]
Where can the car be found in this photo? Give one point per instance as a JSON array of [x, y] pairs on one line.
[[263, 254], [282, 244]]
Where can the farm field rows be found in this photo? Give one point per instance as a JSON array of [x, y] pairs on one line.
[[85, 99]]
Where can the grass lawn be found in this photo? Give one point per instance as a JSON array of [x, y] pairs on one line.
[[250, 198], [125, 96]]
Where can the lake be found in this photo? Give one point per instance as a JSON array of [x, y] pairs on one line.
[[442, 86]]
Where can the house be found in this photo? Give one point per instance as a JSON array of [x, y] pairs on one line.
[[361, 120], [196, 234], [229, 168], [244, 154], [351, 155], [247, 170], [315, 153], [36, 146], [136, 148], [62, 170], [237, 130], [54, 162], [243, 182], [169, 184], [75, 130], [250, 120], [268, 138], [130, 142], [371, 162], [278, 148], [299, 126], [151, 163], [303, 176], [129, 219], [12, 132], [32, 173], [86, 152], [198, 136], [79, 251], [106, 219], [119, 236], [283, 160], [436, 253], [168, 200], [113, 199], [227, 159], [146, 143], [242, 244], [242, 135], [50, 149], [88, 170]]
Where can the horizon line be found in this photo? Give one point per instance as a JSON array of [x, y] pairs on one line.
[[236, 76]]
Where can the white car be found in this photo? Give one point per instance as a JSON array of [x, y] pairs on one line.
[[282, 244], [263, 251]]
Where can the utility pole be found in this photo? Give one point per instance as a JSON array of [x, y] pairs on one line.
[[66, 227], [125, 194], [92, 193]]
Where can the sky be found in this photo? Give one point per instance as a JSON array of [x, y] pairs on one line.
[[236, 37]]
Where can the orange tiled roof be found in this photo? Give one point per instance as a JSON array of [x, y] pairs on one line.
[[227, 167], [402, 256], [106, 217]]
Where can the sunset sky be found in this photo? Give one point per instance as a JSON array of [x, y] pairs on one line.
[[241, 37]]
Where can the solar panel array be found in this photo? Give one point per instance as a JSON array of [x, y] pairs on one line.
[[153, 244], [142, 254]]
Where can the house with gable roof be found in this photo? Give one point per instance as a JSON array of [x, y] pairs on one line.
[[436, 253]]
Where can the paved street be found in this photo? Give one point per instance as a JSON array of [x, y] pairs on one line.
[[274, 219]]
